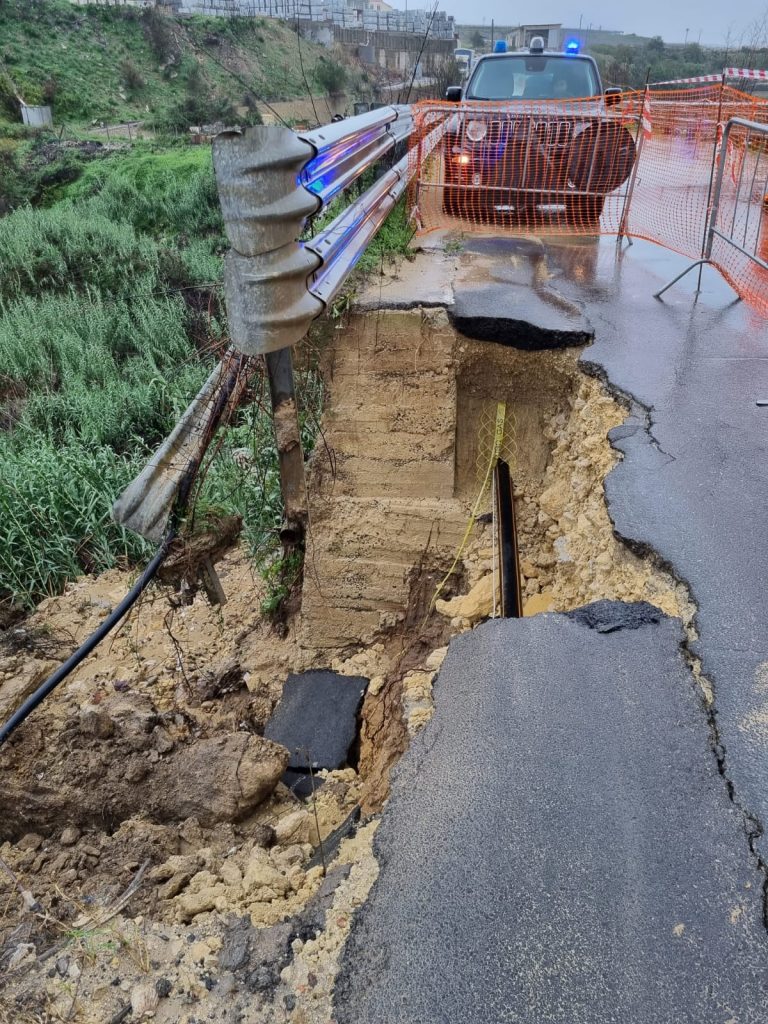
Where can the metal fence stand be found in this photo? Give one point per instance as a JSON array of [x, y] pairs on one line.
[[633, 178], [711, 228]]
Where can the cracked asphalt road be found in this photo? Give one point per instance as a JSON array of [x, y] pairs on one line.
[[561, 844]]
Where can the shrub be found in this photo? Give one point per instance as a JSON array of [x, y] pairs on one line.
[[9, 101], [159, 34], [330, 76], [131, 76]]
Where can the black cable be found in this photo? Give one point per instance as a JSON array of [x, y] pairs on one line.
[[237, 78], [303, 74], [93, 640]]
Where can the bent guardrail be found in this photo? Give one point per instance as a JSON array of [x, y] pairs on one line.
[[736, 240], [272, 182]]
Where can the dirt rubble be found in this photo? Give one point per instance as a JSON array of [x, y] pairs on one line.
[[152, 862]]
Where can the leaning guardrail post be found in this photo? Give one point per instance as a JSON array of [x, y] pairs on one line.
[[269, 307]]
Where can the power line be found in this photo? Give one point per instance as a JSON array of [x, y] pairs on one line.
[[421, 51], [303, 74], [237, 78]]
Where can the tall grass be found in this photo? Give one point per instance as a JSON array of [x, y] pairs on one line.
[[66, 249], [99, 355], [54, 514]]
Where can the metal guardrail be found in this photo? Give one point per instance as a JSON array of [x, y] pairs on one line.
[[743, 234], [272, 183]]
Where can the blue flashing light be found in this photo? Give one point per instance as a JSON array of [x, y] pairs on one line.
[[572, 46], [500, 46]]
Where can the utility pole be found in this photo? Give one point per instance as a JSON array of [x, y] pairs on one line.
[[685, 43]]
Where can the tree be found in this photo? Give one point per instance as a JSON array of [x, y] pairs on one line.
[[477, 40]]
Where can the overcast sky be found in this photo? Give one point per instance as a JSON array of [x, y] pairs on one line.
[[711, 18]]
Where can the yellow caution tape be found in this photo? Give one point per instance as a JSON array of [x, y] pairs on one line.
[[498, 441]]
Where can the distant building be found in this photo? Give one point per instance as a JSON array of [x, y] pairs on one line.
[[522, 35]]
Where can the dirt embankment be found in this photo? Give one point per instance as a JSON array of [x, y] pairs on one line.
[[152, 861]]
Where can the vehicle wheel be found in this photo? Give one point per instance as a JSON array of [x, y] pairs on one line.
[[585, 209]]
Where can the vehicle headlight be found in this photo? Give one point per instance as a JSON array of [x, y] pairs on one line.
[[476, 130]]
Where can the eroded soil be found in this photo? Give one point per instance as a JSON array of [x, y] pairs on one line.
[[152, 861]]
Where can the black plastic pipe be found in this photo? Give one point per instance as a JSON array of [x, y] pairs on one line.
[[93, 640]]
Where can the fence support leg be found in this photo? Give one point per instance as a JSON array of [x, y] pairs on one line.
[[698, 263], [288, 438]]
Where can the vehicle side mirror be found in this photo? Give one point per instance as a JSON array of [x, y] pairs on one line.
[[612, 96], [453, 93]]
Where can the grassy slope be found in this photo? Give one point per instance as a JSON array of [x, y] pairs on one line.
[[79, 55], [110, 301]]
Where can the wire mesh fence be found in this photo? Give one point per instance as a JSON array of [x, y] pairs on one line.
[[641, 163]]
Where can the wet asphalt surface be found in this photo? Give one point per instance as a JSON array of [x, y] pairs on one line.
[[574, 838]]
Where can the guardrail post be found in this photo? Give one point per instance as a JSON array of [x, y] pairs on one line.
[[265, 278]]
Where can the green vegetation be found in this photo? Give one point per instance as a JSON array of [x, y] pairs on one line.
[[116, 64], [111, 315], [110, 321], [628, 66]]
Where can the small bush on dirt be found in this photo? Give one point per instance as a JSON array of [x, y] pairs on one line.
[[132, 77], [330, 76]]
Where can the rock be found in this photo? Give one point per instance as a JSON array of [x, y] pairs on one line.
[[95, 721], [15, 691], [30, 841], [417, 686], [262, 881], [176, 864], [262, 835], [554, 499], [375, 686], [292, 829], [436, 659], [476, 605], [562, 550], [538, 603], [24, 951], [230, 873], [161, 740], [174, 885], [163, 987], [198, 901], [222, 779], [144, 999], [418, 718]]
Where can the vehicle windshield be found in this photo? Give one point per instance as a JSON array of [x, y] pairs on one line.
[[533, 77]]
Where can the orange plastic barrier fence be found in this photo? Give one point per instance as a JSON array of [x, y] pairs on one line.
[[643, 166]]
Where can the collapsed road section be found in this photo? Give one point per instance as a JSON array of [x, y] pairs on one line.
[[563, 811]]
